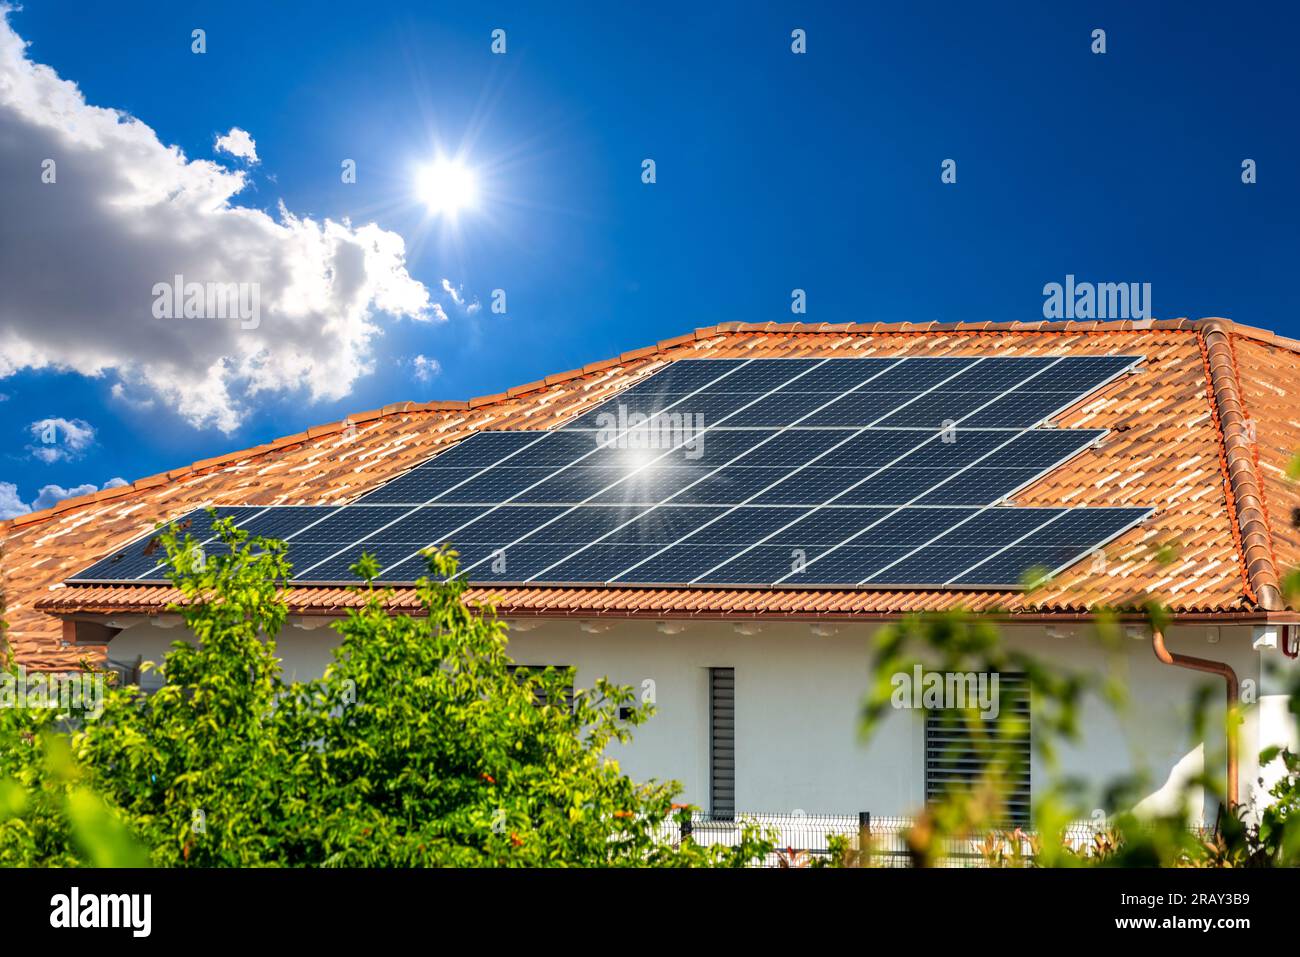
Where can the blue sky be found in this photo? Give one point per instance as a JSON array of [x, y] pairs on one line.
[[775, 171]]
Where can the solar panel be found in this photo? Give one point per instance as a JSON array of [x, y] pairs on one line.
[[146, 554], [860, 472]]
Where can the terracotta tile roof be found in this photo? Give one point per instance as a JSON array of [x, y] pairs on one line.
[[1203, 433]]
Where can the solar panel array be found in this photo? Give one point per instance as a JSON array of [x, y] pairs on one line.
[[777, 472]]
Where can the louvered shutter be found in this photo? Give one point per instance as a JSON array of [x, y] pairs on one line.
[[722, 742], [956, 755]]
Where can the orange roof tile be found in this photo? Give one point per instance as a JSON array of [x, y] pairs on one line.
[[1203, 433]]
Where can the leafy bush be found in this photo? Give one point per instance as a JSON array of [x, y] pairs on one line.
[[418, 747]]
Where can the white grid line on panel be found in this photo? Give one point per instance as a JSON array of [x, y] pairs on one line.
[[773, 434], [759, 397], [848, 438], [1065, 405], [867, 478], [207, 541], [298, 575]]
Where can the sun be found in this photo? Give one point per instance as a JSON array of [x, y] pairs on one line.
[[446, 187]]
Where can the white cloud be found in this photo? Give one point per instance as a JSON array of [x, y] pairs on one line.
[[12, 505], [237, 143], [60, 440], [119, 392], [425, 367], [127, 212], [53, 494], [457, 294]]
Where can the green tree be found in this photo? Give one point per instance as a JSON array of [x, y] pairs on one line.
[[420, 746]]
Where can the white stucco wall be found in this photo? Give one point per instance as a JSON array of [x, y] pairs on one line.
[[798, 696]]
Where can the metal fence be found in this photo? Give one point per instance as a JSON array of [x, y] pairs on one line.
[[803, 840]]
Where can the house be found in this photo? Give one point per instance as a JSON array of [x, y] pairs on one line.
[[758, 685]]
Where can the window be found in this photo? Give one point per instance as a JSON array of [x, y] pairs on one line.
[[538, 697], [961, 748], [131, 673], [722, 742]]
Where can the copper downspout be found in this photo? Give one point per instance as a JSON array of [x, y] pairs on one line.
[[1223, 670]]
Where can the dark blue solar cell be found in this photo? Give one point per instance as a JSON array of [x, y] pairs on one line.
[[678, 564], [488, 562], [781, 449], [842, 566], [1079, 375], [873, 527], [820, 528], [498, 485], [757, 565], [388, 554], [894, 486], [1041, 448], [937, 410], [995, 526], [421, 485], [441, 523], [303, 555], [916, 375], [840, 375], [633, 525], [857, 410], [740, 485], [349, 524], [794, 566], [976, 486], [1020, 410], [145, 555], [595, 563], [582, 525], [958, 449], [809, 486], [931, 565], [1012, 566], [776, 410], [484, 525], [723, 375], [743, 525], [1000, 374], [281, 521], [873, 448], [1088, 526], [125, 564], [122, 565]]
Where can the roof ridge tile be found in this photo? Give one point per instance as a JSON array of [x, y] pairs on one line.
[[1247, 494]]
